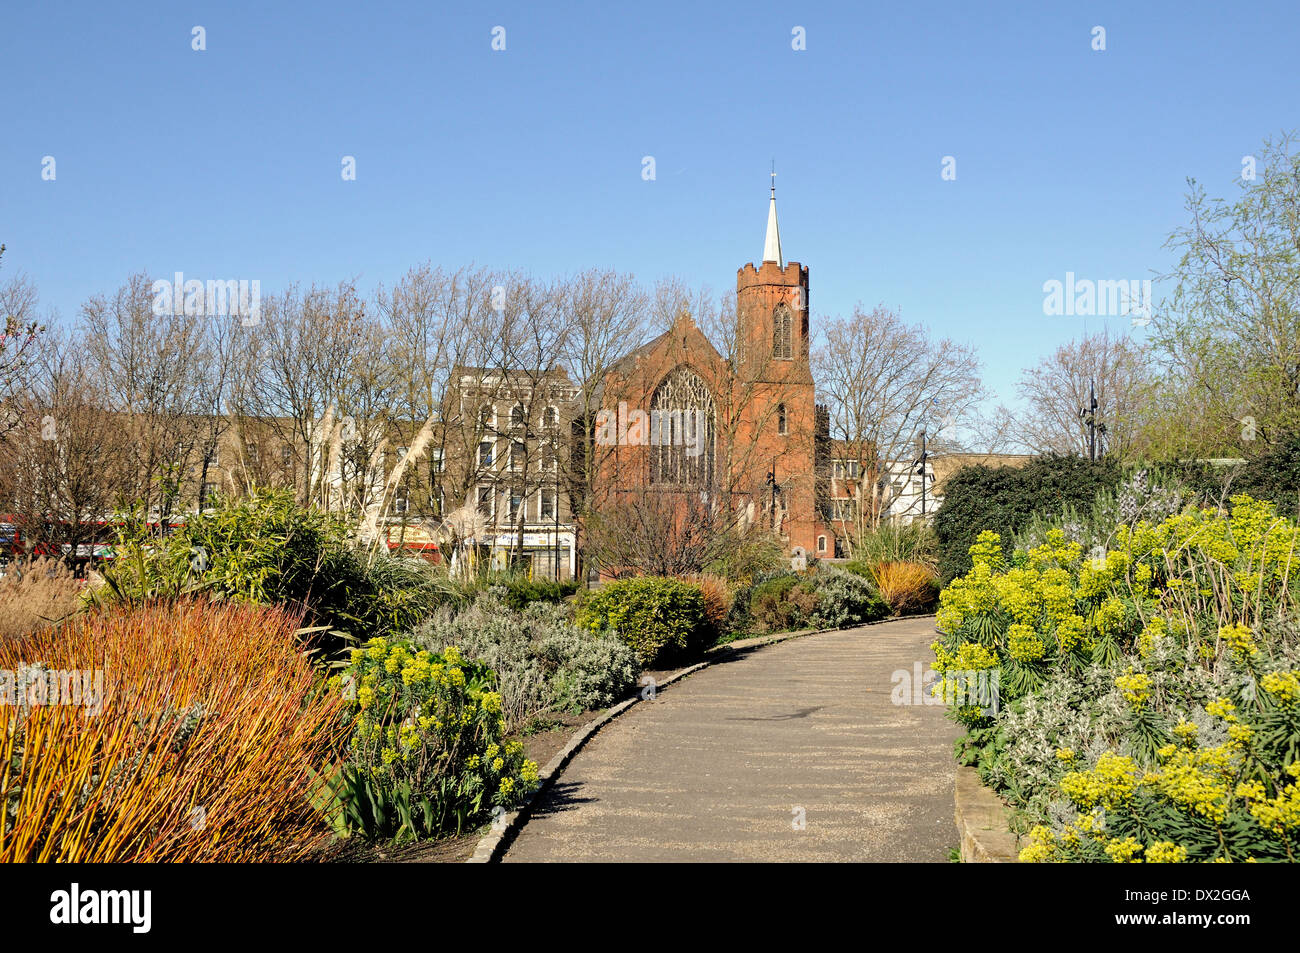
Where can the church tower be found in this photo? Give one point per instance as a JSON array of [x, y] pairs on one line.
[[772, 369], [772, 308]]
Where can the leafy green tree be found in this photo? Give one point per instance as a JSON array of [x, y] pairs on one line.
[[1229, 334]]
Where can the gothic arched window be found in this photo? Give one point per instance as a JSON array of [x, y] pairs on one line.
[[782, 334], [682, 423]]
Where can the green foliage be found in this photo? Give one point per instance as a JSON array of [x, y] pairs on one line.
[[1146, 492], [516, 589], [1005, 499], [826, 597], [663, 619], [1227, 333], [844, 599], [914, 542], [1148, 695], [265, 548], [543, 662], [1272, 474], [587, 673], [782, 604], [428, 752], [745, 556]]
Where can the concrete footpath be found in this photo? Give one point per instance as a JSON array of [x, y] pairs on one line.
[[790, 752]]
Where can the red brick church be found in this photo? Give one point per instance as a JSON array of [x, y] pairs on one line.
[[743, 431]]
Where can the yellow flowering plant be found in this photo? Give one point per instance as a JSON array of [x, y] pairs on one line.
[[1150, 708], [428, 752]]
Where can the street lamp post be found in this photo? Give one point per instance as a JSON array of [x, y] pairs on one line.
[[771, 482], [925, 456], [1089, 416]]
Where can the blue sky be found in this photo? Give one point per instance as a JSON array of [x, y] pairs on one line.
[[226, 162]]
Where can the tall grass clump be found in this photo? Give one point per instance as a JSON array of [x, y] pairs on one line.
[[35, 594], [898, 543], [198, 739]]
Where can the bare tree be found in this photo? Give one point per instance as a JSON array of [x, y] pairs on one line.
[[885, 381], [607, 316], [18, 304], [314, 388], [654, 533], [428, 316], [149, 367], [1056, 392], [62, 465]]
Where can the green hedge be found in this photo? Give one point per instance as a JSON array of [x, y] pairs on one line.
[[662, 619], [1004, 499], [519, 590], [1272, 475]]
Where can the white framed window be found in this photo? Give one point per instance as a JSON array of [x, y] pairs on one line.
[[546, 505], [487, 418], [515, 507], [551, 418], [401, 500], [486, 501], [517, 417], [547, 460], [518, 455], [846, 469], [821, 544], [213, 457], [436, 460], [485, 453]]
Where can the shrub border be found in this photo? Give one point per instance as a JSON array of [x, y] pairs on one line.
[[493, 845], [983, 822]]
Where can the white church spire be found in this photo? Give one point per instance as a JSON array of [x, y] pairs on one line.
[[772, 246]]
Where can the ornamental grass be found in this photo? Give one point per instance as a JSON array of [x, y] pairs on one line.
[[35, 594], [199, 743], [906, 586]]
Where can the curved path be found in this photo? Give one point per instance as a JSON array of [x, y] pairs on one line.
[[724, 764]]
